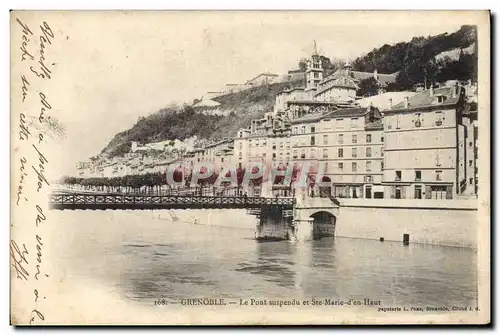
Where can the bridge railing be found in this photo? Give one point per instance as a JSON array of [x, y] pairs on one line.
[[75, 200], [195, 191]]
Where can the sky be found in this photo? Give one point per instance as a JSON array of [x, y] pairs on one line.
[[113, 67]]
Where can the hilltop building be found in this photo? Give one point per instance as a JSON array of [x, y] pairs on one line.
[[262, 79], [314, 72], [209, 107], [343, 84]]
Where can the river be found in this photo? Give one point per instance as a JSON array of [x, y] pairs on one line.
[[145, 255]]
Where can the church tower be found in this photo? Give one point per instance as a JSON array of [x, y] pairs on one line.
[[314, 72]]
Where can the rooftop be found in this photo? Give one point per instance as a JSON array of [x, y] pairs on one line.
[[358, 75], [381, 101], [211, 145], [383, 78], [350, 85], [356, 111], [425, 98], [311, 102]]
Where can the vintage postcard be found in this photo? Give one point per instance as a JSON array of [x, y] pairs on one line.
[[250, 168]]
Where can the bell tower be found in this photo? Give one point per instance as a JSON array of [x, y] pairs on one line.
[[314, 72]]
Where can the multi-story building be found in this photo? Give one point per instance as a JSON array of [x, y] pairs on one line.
[[267, 141], [295, 94], [340, 86], [470, 141], [349, 144], [423, 147], [241, 148], [219, 153], [426, 142]]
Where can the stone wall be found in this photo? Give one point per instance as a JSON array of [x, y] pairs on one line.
[[448, 222], [271, 228]]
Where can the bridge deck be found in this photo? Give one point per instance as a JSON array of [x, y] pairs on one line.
[[73, 201]]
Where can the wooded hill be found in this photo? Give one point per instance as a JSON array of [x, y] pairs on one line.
[[416, 61], [182, 122]]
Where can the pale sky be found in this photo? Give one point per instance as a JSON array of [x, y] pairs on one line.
[[112, 68]]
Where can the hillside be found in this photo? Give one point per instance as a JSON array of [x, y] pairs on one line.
[[182, 123], [425, 58]]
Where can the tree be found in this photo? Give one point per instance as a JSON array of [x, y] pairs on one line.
[[368, 87], [464, 68], [303, 65], [331, 65]]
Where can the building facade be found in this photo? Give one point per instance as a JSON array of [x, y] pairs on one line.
[[349, 144], [426, 146]]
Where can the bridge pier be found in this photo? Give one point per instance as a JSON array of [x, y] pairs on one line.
[[274, 226], [314, 222], [303, 230]]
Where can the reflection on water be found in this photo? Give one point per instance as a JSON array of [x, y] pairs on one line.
[[146, 259]]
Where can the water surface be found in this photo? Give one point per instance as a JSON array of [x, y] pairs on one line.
[[146, 256]]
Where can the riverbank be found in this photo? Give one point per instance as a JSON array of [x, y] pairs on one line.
[[428, 221], [452, 223], [446, 223]]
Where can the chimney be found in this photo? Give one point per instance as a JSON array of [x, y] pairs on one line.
[[390, 103], [407, 102], [431, 91]]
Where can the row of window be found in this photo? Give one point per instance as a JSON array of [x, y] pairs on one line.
[[264, 143], [339, 123], [340, 153], [340, 140], [354, 166], [418, 175], [419, 121], [354, 152], [354, 139], [432, 192]]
